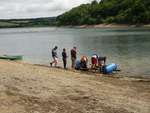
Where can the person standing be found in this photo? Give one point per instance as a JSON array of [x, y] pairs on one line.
[[64, 58], [73, 56], [55, 57]]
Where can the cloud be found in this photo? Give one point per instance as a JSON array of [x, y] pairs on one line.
[[36, 8]]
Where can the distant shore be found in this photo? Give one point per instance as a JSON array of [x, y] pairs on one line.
[[112, 26], [86, 26]]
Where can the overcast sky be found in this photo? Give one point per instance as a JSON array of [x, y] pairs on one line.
[[36, 8]]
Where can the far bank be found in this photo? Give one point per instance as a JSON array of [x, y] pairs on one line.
[[101, 26]]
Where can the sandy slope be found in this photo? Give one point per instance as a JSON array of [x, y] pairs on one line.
[[25, 88], [113, 25]]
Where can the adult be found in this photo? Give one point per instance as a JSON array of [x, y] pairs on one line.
[[64, 58], [73, 56], [54, 56]]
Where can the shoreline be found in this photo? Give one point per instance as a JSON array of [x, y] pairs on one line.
[[109, 26], [116, 75], [90, 26]]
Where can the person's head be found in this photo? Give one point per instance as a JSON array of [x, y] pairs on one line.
[[55, 47], [84, 58], [64, 50], [74, 48]]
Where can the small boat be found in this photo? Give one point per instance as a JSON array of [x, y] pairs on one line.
[[11, 57]]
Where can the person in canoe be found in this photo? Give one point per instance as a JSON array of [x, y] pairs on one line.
[[54, 56]]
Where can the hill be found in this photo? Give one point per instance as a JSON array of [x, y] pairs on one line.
[[108, 11], [36, 22]]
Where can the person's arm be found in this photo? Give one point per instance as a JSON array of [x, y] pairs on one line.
[[62, 54]]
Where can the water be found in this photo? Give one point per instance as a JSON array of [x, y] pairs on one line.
[[129, 48]]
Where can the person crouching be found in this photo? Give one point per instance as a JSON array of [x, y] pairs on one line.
[[94, 61], [84, 61]]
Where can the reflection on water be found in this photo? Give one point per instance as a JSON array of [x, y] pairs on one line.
[[129, 48]]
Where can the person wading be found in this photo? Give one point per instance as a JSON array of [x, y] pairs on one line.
[[73, 57], [55, 57]]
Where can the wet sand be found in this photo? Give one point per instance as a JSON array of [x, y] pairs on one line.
[[26, 88]]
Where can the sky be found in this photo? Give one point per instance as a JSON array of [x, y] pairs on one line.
[[10, 9]]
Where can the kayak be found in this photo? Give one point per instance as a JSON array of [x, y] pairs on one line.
[[10, 57], [108, 69]]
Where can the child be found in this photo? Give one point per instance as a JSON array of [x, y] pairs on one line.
[[64, 58], [94, 61]]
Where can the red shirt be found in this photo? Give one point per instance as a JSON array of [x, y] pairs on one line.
[[73, 53]]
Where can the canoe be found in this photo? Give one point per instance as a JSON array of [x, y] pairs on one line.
[[108, 69], [10, 57]]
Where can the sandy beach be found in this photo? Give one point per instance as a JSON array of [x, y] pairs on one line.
[[113, 25], [27, 88]]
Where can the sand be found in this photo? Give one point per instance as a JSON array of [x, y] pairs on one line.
[[113, 25], [26, 88]]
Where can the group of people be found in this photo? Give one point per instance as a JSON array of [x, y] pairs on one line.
[[73, 53], [96, 61]]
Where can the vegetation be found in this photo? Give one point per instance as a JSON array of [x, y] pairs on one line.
[[38, 22], [105, 11], [108, 11]]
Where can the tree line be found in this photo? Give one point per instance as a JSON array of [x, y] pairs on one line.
[[33, 22], [108, 11]]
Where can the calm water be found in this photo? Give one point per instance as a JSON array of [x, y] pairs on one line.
[[129, 48]]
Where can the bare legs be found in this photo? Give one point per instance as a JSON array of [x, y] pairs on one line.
[[55, 61]]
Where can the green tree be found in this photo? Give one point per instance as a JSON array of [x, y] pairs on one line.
[[108, 11]]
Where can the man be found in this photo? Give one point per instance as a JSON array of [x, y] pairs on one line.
[[55, 57], [73, 56]]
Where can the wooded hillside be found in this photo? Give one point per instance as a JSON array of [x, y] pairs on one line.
[[108, 11]]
